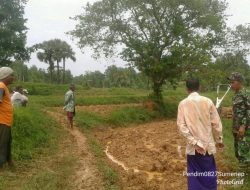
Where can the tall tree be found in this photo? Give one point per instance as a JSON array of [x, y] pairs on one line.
[[55, 50], [67, 53], [161, 38], [12, 31], [45, 54], [57, 56]]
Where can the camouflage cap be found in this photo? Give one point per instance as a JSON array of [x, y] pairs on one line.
[[235, 76]]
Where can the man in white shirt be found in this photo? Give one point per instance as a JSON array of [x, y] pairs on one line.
[[18, 99], [199, 122]]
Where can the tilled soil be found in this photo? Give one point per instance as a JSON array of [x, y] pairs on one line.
[[153, 155]]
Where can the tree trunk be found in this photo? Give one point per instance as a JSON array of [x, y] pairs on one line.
[[57, 72], [51, 71], [157, 97], [63, 71]]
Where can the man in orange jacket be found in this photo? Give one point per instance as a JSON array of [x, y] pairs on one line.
[[6, 115]]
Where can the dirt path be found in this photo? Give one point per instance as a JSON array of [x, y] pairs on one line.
[[86, 175]]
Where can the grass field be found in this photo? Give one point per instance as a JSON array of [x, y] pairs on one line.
[[37, 137]]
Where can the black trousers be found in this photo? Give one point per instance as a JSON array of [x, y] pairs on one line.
[[5, 144]]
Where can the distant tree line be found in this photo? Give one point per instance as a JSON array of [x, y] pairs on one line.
[[113, 77], [36, 75]]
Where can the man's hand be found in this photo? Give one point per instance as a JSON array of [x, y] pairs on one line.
[[241, 132], [220, 146], [199, 149]]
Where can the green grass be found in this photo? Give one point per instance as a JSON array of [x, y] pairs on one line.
[[90, 120], [120, 117], [32, 129], [39, 163], [56, 100], [129, 115], [34, 135]]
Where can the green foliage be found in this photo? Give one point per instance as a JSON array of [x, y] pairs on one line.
[[12, 31], [36, 75], [20, 71], [32, 130], [217, 72], [161, 38], [113, 77]]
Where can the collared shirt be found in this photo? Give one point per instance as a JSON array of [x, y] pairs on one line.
[[199, 122], [6, 110], [69, 101]]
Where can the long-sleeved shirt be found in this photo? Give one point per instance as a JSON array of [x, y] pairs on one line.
[[69, 101], [199, 122], [241, 110]]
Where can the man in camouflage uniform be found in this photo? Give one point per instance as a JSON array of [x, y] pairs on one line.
[[241, 121]]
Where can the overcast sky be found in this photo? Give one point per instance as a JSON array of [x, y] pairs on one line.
[[49, 19]]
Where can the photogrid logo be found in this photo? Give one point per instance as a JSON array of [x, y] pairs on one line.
[[230, 182]]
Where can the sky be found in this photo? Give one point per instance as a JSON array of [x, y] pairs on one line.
[[49, 19]]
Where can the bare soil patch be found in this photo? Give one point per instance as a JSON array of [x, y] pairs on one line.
[[149, 156]]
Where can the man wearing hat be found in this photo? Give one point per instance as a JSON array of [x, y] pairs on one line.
[[241, 121], [6, 115]]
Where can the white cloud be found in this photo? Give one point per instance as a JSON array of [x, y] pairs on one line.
[[48, 19]]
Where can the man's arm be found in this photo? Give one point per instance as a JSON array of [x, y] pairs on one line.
[[184, 129], [1, 94], [216, 124]]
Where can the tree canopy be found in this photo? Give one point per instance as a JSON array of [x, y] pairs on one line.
[[12, 32], [160, 38]]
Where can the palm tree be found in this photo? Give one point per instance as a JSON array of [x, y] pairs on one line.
[[46, 55], [68, 53], [58, 53], [52, 51]]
